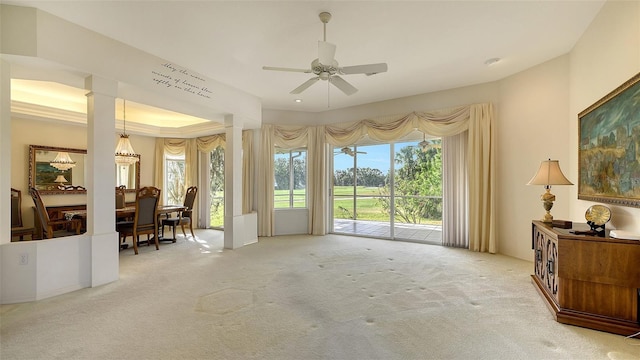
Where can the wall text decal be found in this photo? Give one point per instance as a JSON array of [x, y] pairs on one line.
[[173, 76]]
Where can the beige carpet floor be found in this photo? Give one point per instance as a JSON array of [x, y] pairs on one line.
[[304, 297]]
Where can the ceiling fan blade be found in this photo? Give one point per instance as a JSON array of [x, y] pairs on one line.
[[369, 69], [326, 52], [305, 85], [341, 84], [308, 71]]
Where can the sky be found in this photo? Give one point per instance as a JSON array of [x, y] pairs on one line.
[[377, 157]]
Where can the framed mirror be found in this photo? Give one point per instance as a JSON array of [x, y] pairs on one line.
[[128, 176], [54, 170], [70, 178]]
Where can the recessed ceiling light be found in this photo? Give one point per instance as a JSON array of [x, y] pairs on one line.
[[491, 61], [298, 100]]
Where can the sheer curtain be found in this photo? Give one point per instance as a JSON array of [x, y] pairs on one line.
[[186, 147], [477, 119], [205, 144], [455, 229]]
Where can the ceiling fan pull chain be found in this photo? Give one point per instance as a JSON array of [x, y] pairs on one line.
[[328, 94]]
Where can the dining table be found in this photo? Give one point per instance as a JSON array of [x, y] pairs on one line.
[[128, 212]]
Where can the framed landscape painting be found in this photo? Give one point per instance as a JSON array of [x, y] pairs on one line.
[[46, 176], [609, 147]]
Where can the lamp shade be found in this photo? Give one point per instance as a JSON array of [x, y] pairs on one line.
[[63, 161], [549, 173], [60, 179]]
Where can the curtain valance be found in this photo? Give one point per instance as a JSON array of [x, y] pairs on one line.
[[477, 119], [211, 142], [389, 128]]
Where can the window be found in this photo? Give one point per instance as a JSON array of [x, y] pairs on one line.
[[174, 168], [290, 170], [216, 187]]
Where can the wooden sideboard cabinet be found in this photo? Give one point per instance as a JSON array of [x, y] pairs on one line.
[[588, 281], [55, 212]]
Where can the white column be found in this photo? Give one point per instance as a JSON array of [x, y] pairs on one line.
[[5, 151], [232, 183], [101, 179]]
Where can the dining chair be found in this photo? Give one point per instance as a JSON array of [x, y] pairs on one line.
[[53, 227], [120, 197], [145, 220], [184, 217], [17, 227]]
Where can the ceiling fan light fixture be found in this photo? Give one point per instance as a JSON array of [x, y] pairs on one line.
[[298, 100]]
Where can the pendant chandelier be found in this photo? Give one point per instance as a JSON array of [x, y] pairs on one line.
[[125, 155], [63, 161], [424, 144]]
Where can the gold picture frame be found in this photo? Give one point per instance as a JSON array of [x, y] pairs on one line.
[[609, 147]]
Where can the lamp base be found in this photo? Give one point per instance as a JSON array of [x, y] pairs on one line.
[[547, 203]]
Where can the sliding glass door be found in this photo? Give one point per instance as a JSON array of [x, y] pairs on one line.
[[389, 190], [360, 175], [417, 191]]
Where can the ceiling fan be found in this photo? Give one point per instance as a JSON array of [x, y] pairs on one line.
[[429, 144], [325, 67], [349, 151]]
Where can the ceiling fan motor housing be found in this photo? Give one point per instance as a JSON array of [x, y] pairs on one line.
[[322, 70]]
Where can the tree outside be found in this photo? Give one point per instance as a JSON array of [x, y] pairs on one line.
[[418, 185], [290, 172], [216, 186], [175, 181], [417, 191]]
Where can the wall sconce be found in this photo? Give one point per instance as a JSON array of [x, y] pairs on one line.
[[549, 174]]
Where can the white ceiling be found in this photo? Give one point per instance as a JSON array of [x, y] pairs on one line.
[[428, 45]]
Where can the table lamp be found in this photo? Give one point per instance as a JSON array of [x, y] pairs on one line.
[[549, 174], [60, 179]]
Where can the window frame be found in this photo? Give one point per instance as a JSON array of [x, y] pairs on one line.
[[291, 169], [169, 158]]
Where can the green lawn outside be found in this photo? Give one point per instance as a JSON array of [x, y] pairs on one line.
[[368, 206]]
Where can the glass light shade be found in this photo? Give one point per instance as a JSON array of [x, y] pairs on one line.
[[124, 152], [549, 173], [63, 161]]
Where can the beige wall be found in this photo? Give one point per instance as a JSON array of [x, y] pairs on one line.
[[607, 55], [531, 128], [27, 132]]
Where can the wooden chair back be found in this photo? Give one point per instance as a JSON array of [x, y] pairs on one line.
[[49, 224], [189, 199], [16, 208], [41, 210], [120, 197], [147, 199]]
